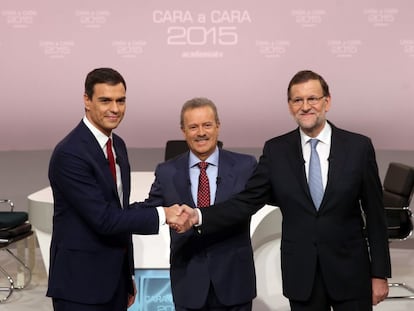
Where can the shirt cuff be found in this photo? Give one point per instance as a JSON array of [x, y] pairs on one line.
[[161, 215], [200, 218]]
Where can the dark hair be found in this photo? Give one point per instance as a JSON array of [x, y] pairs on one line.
[[196, 103], [306, 75], [102, 75]]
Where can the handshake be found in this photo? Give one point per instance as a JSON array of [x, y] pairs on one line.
[[181, 218]]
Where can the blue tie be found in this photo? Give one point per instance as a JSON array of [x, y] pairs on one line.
[[315, 176]]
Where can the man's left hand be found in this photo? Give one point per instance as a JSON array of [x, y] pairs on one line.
[[379, 290]]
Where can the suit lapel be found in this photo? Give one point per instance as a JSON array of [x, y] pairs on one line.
[[122, 161], [337, 160], [225, 175], [297, 162], [182, 173], [97, 155], [94, 150]]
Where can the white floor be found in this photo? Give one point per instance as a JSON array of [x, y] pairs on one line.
[[33, 296], [403, 271]]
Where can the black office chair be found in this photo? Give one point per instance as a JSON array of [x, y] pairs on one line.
[[398, 192], [174, 148], [14, 226]]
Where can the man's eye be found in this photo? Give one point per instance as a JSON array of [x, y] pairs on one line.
[[298, 101]]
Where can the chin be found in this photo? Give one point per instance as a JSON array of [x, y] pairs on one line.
[[201, 151], [205, 151]]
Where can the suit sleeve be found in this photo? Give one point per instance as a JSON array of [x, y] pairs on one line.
[[155, 196], [244, 204], [80, 181], [372, 205]]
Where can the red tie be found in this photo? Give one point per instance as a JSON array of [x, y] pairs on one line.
[[111, 158], [203, 195]]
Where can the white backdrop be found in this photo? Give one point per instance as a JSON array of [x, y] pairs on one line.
[[239, 53]]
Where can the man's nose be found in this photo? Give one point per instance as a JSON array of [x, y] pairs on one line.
[[114, 106]]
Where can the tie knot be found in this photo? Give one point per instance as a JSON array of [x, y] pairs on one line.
[[202, 165], [314, 142], [109, 143]]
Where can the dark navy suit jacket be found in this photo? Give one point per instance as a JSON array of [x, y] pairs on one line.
[[225, 259], [91, 241], [349, 255]]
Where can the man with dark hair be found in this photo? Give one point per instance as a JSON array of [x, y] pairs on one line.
[[334, 247], [91, 256]]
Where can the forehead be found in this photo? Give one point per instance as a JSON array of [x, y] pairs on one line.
[[100, 89], [310, 87], [204, 113]]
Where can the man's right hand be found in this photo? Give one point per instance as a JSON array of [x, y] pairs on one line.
[[181, 218]]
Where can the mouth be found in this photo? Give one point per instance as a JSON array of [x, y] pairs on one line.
[[113, 118], [307, 114], [201, 140]]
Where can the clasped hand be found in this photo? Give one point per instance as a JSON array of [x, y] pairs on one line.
[[181, 217]]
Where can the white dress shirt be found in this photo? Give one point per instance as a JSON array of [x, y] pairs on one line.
[[323, 148]]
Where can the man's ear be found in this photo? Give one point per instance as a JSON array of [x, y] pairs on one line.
[[327, 103], [86, 102]]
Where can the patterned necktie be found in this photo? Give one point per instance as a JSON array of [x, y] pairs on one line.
[[111, 158], [315, 175], [203, 194]]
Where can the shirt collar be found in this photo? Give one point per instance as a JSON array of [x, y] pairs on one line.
[[324, 136], [212, 159], [100, 137]]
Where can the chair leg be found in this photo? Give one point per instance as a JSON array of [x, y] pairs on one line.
[[404, 286], [9, 289], [26, 272]]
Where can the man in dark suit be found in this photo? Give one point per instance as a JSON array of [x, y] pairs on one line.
[[214, 272], [91, 256], [334, 253]]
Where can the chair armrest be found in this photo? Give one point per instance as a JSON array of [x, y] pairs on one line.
[[9, 202], [399, 222], [397, 208]]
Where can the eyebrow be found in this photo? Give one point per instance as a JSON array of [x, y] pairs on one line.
[[102, 98]]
